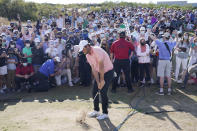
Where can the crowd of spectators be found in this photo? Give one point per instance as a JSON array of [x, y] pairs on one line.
[[160, 42]]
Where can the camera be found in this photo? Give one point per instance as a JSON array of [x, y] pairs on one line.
[[68, 46], [12, 24]]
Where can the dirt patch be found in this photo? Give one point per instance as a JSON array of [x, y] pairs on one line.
[[58, 109]]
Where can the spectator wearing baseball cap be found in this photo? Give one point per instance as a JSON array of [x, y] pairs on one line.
[[37, 55], [3, 68], [20, 43], [164, 65], [45, 75], [120, 51], [60, 22], [64, 69], [102, 69]]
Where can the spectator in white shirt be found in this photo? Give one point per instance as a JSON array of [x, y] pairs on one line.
[[60, 22], [52, 51], [143, 53]]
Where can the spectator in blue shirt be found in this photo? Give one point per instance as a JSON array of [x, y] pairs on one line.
[[163, 51], [45, 76], [48, 68], [164, 65], [20, 43], [141, 20]]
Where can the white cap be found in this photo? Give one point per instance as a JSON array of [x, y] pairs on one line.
[[142, 28], [82, 44], [37, 40], [57, 59]]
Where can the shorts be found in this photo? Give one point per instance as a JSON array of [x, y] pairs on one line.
[[3, 70], [164, 68]]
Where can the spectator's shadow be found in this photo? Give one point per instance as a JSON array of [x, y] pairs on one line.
[[4, 103], [106, 125]]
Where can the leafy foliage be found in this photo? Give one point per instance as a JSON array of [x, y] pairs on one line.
[[29, 10]]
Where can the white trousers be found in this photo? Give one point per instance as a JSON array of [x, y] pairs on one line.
[[63, 73], [179, 62]]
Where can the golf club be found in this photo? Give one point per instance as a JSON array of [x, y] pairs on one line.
[[81, 119]]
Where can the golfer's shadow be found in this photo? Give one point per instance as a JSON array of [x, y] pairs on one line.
[[106, 125]]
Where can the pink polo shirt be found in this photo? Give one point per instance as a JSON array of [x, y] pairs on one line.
[[98, 54]]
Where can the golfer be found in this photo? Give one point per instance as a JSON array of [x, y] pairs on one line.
[[102, 70]]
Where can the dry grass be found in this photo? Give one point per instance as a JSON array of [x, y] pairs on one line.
[[4, 21]]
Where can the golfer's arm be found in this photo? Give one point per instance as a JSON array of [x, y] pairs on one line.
[[101, 70], [96, 76]]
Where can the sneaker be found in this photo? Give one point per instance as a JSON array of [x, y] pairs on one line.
[[70, 84], [101, 117], [94, 114], [160, 93]]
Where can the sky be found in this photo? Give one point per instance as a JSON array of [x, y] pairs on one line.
[[100, 1]]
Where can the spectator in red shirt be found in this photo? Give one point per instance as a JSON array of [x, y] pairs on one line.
[[24, 73], [120, 50]]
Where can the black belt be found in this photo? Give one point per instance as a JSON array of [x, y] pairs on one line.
[[122, 59]]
